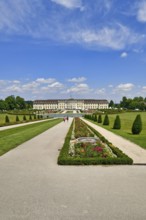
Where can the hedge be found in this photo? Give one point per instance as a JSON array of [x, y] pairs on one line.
[[65, 159]]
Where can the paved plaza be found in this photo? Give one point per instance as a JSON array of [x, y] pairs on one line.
[[34, 187]]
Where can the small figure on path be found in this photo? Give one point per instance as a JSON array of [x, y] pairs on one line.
[[67, 118], [64, 119]]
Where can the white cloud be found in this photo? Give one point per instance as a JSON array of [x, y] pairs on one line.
[[77, 80], [116, 37], [79, 88], [110, 86], [71, 4], [124, 54], [33, 19], [30, 86], [124, 87], [100, 91], [13, 88], [56, 85], [43, 80], [141, 13], [144, 88]]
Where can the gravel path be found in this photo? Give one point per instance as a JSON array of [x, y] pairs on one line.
[[134, 151], [34, 187]]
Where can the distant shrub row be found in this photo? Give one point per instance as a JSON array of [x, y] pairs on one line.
[[25, 118], [136, 127]]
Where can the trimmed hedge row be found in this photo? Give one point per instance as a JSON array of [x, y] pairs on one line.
[[65, 159]]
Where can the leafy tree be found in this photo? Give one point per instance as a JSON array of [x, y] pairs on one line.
[[111, 104], [137, 125], [2, 105], [99, 120], [29, 104], [135, 103], [117, 123], [20, 103], [10, 102], [106, 120]]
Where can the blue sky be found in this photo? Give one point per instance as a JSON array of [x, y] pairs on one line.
[[73, 48]]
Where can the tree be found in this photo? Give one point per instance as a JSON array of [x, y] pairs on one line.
[[20, 103], [111, 104], [137, 125], [10, 102], [106, 120], [29, 104], [117, 123], [2, 105], [99, 120]]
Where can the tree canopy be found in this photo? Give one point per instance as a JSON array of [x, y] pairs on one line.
[[12, 103]]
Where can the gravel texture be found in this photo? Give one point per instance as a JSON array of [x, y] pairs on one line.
[[34, 187]]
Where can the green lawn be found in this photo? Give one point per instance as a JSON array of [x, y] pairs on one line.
[[126, 125], [13, 137]]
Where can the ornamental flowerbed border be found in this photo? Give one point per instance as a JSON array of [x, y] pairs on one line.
[[65, 159]]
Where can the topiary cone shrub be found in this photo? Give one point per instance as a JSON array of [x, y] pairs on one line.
[[24, 118], [7, 120], [99, 120], [106, 120], [17, 118], [30, 117], [117, 123], [95, 118], [137, 125]]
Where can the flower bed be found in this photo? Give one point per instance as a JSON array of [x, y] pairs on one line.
[[75, 152]]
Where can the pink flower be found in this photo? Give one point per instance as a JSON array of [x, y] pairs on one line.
[[98, 149]]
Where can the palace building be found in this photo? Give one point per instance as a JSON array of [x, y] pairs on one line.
[[73, 104]]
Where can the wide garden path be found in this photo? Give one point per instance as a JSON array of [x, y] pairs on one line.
[[134, 151], [34, 187]]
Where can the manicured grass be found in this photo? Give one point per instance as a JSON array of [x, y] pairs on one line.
[[13, 137], [126, 125]]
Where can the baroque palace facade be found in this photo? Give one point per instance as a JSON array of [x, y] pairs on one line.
[[73, 104]]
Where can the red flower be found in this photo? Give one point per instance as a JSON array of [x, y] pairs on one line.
[[98, 149]]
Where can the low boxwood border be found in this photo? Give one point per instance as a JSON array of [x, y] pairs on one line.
[[65, 159]]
